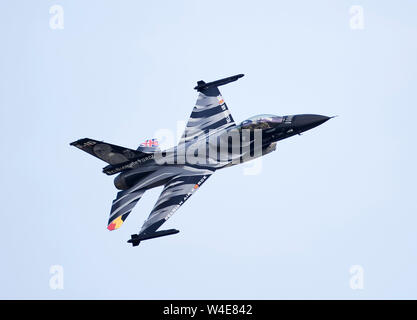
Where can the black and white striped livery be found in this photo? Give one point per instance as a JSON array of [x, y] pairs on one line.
[[182, 169], [210, 113]]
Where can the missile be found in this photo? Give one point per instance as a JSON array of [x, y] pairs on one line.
[[137, 238], [201, 85]]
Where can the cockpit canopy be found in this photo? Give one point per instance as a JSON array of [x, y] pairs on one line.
[[261, 121]]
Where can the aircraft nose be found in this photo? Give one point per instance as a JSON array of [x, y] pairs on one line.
[[303, 122]]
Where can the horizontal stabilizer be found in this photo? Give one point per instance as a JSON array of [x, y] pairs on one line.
[[110, 153], [201, 85], [136, 239]]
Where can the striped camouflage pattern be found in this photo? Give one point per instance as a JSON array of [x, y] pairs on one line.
[[122, 206], [211, 141], [209, 113], [178, 182], [175, 193]]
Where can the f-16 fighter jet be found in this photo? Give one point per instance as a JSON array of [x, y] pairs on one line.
[[211, 141]]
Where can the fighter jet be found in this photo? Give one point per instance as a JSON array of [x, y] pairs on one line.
[[211, 141]]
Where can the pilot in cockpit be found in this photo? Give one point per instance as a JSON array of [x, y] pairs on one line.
[[261, 121]]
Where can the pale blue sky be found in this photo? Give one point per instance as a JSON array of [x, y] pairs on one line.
[[342, 194]]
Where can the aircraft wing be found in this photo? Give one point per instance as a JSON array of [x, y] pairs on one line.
[[176, 191], [122, 206], [210, 111]]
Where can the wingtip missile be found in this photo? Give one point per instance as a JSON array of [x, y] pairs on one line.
[[137, 238], [201, 85]]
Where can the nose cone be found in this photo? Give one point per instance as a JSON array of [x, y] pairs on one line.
[[304, 122]]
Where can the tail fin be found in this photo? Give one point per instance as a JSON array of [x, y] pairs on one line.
[[107, 152]]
